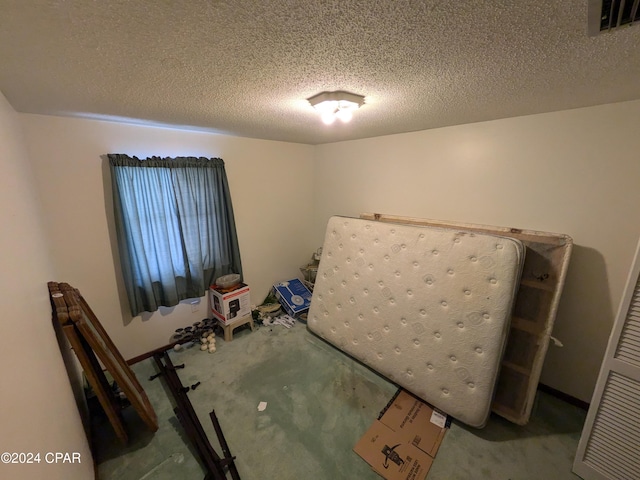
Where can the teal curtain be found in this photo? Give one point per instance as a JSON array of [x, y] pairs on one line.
[[175, 227]]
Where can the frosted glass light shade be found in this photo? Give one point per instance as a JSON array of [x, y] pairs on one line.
[[332, 105]]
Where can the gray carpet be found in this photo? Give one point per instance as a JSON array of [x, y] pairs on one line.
[[319, 403]]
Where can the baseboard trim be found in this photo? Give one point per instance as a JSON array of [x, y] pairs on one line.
[[564, 396]]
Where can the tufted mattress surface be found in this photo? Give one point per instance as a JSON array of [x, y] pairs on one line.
[[426, 307]]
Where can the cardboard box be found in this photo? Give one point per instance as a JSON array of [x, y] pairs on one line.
[[229, 304], [294, 296], [403, 442]]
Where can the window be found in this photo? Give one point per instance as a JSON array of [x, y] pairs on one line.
[[175, 227]]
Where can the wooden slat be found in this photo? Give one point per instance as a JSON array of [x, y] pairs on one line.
[[517, 368], [539, 285], [97, 379], [526, 326], [520, 234]]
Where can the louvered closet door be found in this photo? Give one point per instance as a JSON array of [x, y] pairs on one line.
[[610, 444]]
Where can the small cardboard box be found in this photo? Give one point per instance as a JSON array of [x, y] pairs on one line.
[[403, 442], [229, 304], [294, 296]]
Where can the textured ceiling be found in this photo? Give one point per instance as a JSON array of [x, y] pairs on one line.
[[245, 67]]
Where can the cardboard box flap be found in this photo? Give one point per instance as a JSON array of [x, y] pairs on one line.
[[230, 304], [391, 456], [411, 417], [402, 443]]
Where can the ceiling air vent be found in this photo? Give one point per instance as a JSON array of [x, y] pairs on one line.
[[607, 15]]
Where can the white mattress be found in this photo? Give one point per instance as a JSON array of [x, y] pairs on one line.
[[426, 307]]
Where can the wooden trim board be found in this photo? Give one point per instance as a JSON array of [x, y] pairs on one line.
[[92, 345]]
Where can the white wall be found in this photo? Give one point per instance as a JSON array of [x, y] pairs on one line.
[[574, 172], [38, 412], [270, 186]]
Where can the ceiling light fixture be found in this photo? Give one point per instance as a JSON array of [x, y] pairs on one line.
[[332, 105]]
